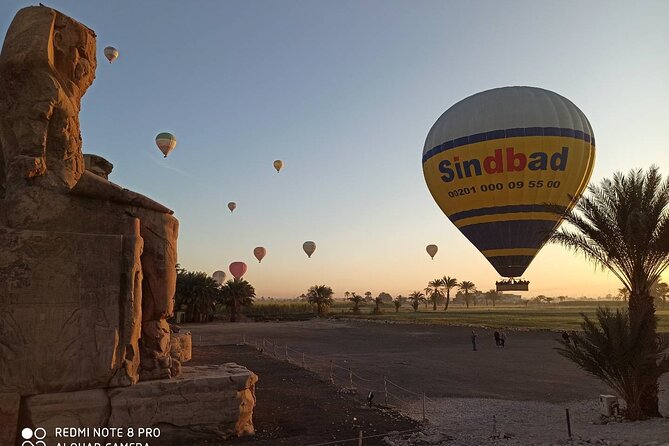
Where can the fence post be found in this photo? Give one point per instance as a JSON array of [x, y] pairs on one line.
[[423, 406], [360, 439], [350, 376], [304, 366], [385, 389], [568, 423]]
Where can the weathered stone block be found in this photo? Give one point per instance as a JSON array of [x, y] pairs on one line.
[[181, 346], [217, 400], [60, 311], [82, 409]]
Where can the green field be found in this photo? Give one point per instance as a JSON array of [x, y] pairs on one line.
[[558, 316]]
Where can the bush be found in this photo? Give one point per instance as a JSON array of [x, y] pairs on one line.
[[613, 350]]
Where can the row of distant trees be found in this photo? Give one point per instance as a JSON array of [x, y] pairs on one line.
[[438, 293], [199, 296]]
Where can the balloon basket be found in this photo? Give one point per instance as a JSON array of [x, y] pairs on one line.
[[512, 285]]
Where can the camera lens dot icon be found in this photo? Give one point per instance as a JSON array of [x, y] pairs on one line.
[[27, 433]]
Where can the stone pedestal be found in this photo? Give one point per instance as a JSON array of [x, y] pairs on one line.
[[206, 402]]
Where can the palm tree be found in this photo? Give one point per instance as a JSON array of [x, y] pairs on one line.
[[416, 298], [492, 295], [433, 291], [320, 295], [398, 301], [614, 350], [197, 293], [368, 296], [448, 283], [623, 226], [237, 293], [378, 301], [623, 293], [357, 300], [347, 295], [466, 287]]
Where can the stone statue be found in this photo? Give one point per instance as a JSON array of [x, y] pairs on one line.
[[88, 268], [46, 65]]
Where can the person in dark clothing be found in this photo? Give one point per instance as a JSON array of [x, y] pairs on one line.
[[502, 339], [565, 337], [473, 340], [496, 335]]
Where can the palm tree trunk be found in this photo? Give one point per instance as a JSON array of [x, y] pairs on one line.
[[233, 311], [642, 311], [448, 299]]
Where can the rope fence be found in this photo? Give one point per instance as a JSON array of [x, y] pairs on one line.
[[368, 390]]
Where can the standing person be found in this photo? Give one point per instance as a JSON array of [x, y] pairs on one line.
[[496, 335], [473, 340], [502, 339], [565, 337]]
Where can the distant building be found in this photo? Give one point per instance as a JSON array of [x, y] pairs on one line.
[[510, 298]]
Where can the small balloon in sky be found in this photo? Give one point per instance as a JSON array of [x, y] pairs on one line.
[[260, 253], [111, 53], [219, 277], [432, 250], [309, 247], [232, 206], [166, 142], [278, 165], [238, 269]]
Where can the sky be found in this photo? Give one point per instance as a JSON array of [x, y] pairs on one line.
[[345, 92]]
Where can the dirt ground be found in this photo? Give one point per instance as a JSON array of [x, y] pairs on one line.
[[296, 407], [526, 385]]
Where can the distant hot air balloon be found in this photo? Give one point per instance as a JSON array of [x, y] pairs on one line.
[[495, 161], [232, 206], [260, 253], [219, 277], [432, 250], [111, 53], [309, 248], [278, 164], [166, 142], [238, 269]]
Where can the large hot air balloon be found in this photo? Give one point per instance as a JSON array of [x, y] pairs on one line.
[[166, 142], [432, 250], [309, 248], [278, 164], [232, 205], [502, 163], [111, 53], [237, 269], [260, 253], [219, 277]]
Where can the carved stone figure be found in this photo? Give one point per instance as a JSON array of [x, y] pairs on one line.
[[46, 65], [88, 268]]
